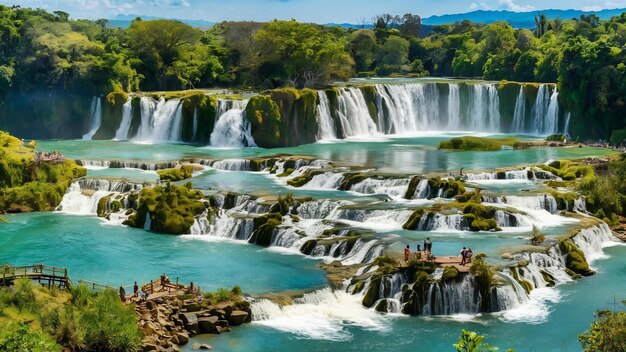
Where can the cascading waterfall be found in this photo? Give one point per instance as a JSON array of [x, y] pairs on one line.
[[566, 129], [454, 107], [545, 113], [95, 118], [552, 114], [409, 107], [324, 119], [484, 108], [160, 121], [124, 129], [232, 129], [519, 115], [353, 114]]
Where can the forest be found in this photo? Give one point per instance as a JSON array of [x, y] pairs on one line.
[[44, 53]]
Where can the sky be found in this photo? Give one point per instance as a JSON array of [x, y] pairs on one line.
[[316, 11]]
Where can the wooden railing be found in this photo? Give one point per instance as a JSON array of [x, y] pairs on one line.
[[54, 276]]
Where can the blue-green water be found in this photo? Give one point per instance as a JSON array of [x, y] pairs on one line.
[[415, 154], [570, 316], [119, 255], [114, 255]]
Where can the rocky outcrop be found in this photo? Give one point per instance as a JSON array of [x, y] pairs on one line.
[[168, 322]]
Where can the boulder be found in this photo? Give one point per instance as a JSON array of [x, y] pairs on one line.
[[226, 307], [222, 323], [201, 346], [237, 317], [149, 347], [219, 313], [188, 318], [207, 324], [183, 338]]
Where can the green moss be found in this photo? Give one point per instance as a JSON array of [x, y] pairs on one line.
[[556, 138], [575, 258], [305, 178], [470, 197], [373, 292], [449, 273], [414, 220], [468, 143], [171, 208], [410, 192], [358, 287], [102, 206], [526, 285], [175, 174], [450, 187], [548, 278], [351, 179], [265, 117], [382, 306], [264, 227]]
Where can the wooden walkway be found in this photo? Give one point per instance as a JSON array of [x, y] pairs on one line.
[[58, 277], [46, 275], [442, 262]]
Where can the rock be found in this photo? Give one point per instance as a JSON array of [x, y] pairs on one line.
[[188, 318], [203, 346], [207, 324], [226, 307], [192, 307], [149, 347], [192, 328], [150, 305], [222, 323], [237, 317], [183, 338], [219, 313]]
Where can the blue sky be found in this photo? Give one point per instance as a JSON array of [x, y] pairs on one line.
[[318, 11]]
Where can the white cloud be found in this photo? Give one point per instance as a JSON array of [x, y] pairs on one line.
[[511, 6], [479, 6]]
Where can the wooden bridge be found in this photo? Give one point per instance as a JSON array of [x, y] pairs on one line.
[[45, 275]]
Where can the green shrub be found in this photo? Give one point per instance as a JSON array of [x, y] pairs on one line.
[[18, 337]]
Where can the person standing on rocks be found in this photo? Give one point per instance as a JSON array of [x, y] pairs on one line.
[[135, 289], [463, 256], [429, 243], [407, 253], [122, 294]]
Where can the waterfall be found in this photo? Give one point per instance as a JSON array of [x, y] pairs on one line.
[[484, 108], [124, 129], [160, 121], [454, 107], [519, 115], [195, 124], [353, 113], [320, 315], [395, 187], [324, 118], [409, 107], [232, 129], [552, 114], [95, 118], [566, 129], [539, 202], [540, 109]]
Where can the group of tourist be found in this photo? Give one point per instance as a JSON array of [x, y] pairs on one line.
[[55, 156], [427, 250], [466, 255]]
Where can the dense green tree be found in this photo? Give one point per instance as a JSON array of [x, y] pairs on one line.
[[363, 48], [303, 54], [607, 332]]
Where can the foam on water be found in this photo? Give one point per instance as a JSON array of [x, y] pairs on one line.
[[319, 315]]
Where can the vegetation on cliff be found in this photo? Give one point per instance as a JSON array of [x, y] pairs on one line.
[[170, 208], [175, 174], [30, 184]]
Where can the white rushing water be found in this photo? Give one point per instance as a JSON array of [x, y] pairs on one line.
[[454, 107], [353, 114], [232, 129], [326, 125], [319, 315], [123, 131], [160, 121], [95, 117], [519, 115]]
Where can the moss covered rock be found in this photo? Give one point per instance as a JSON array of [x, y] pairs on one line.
[[575, 258]]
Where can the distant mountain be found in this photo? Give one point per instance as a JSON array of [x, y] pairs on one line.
[[517, 19], [123, 21]]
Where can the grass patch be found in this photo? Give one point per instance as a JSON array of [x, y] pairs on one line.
[[468, 143]]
